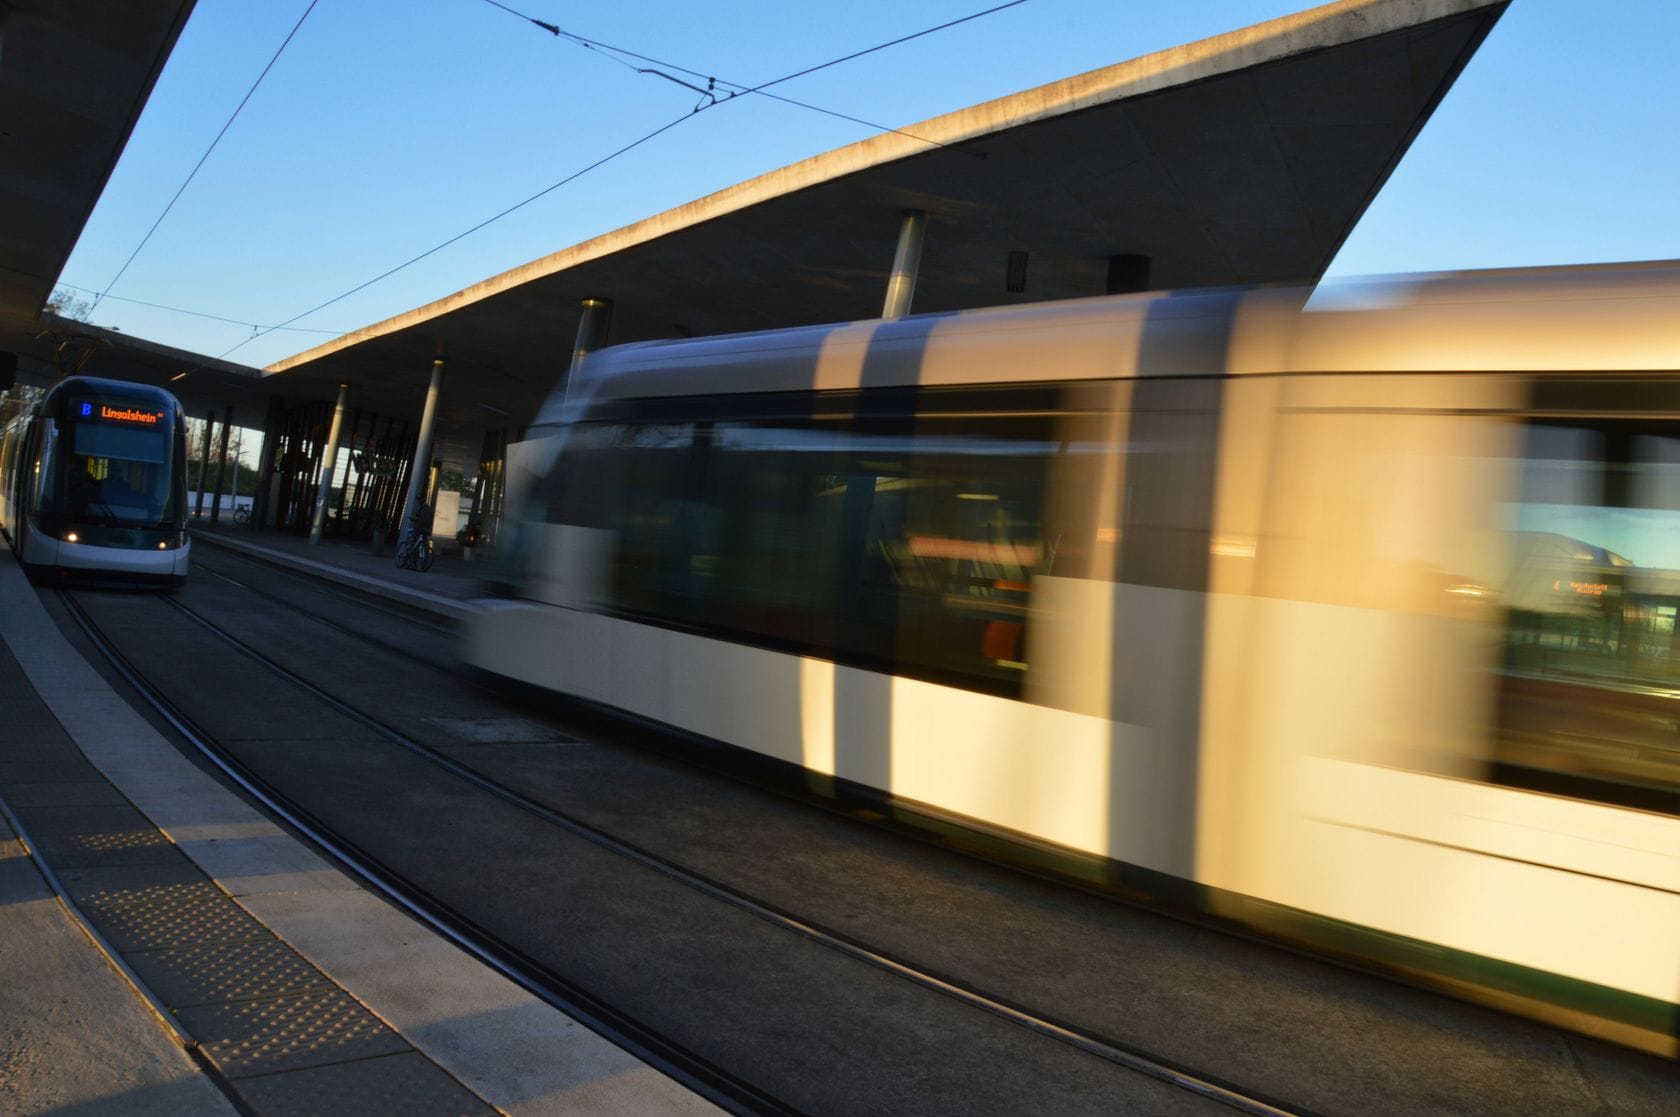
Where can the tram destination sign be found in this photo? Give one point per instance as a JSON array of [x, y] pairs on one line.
[[116, 411]]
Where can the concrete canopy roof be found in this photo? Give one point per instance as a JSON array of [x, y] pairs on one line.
[[1244, 158], [74, 75]]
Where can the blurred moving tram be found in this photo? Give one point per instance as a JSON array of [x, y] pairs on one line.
[[93, 484], [1347, 615]]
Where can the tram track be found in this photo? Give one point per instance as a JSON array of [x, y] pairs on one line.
[[671, 1059], [707, 1078], [1131, 1059], [789, 887], [429, 628]]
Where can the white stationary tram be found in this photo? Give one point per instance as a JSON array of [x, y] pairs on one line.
[[93, 484], [1353, 616]]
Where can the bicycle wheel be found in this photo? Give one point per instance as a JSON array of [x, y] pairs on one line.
[[423, 560]]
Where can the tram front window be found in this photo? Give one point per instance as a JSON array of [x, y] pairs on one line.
[[116, 475]]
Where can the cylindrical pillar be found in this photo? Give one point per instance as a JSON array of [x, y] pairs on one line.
[[907, 263], [591, 335], [325, 491], [238, 448], [492, 521], [591, 332], [221, 467], [272, 424], [477, 515], [203, 465], [417, 474]]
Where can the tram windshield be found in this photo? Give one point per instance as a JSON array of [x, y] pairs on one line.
[[113, 475]]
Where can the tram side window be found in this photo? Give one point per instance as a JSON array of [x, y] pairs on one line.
[[909, 548], [581, 488], [11, 447], [904, 544], [667, 530], [1592, 649]]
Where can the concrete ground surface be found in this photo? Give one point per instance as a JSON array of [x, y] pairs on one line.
[[322, 998], [470, 1040], [73, 1035]]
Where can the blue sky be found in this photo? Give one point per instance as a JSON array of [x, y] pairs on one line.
[[387, 127]]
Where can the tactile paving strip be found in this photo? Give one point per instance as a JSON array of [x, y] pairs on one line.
[[112, 840], [159, 914], [408, 1084], [126, 847], [207, 973], [287, 1033], [258, 1008]]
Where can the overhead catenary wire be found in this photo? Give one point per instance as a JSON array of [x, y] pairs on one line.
[[100, 296], [574, 176], [199, 313], [738, 89], [883, 46], [621, 151]]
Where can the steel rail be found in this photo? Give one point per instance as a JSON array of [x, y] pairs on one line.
[[361, 601], [1128, 1056], [666, 1055]]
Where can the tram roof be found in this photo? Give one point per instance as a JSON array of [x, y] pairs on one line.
[[1244, 158]]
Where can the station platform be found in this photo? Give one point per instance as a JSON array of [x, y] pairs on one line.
[[443, 590], [166, 949]]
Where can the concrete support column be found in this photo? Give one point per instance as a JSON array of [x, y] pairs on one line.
[[496, 444], [420, 469], [477, 514], [324, 493], [907, 264], [272, 424], [203, 466], [221, 466], [591, 333]]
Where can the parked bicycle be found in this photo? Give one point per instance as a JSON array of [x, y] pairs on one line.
[[414, 549], [242, 513]]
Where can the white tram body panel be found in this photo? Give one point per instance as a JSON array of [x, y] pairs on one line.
[[1298, 621], [73, 558]]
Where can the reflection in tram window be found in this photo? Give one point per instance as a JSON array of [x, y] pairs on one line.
[[1590, 699], [903, 542]]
